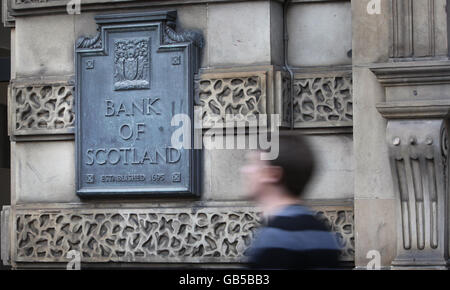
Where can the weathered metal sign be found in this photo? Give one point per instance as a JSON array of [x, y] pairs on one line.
[[131, 79]]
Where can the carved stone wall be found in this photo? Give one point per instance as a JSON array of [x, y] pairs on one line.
[[42, 109], [182, 235], [323, 100]]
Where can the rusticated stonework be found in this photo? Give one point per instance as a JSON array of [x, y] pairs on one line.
[[43, 109], [323, 100], [215, 235], [236, 94]]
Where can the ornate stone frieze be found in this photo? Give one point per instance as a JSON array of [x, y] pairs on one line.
[[175, 235], [240, 94], [42, 109], [178, 235], [323, 100]]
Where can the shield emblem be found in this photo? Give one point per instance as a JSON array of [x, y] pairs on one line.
[[130, 69]]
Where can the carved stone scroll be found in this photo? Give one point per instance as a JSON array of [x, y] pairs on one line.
[[418, 151]]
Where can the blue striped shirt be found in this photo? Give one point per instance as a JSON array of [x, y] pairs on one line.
[[294, 238]]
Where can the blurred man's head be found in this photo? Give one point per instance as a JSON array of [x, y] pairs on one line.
[[285, 176]]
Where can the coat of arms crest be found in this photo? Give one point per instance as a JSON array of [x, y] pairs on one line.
[[132, 64]]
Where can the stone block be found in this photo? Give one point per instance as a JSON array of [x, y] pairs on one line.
[[239, 33], [375, 229], [334, 174], [370, 33], [44, 172], [225, 178], [319, 33], [44, 45]]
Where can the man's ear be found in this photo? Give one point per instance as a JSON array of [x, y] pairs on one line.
[[272, 174]]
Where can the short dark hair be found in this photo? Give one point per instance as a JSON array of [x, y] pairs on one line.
[[296, 159]]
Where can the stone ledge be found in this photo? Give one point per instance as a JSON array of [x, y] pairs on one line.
[[412, 73], [19, 8], [415, 109]]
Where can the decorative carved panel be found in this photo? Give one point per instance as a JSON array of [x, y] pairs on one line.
[[177, 235], [136, 235], [323, 100], [340, 220], [42, 109], [240, 94]]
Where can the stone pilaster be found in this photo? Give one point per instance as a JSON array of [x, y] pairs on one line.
[[419, 28], [417, 138]]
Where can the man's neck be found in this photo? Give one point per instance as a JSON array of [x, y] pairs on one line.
[[275, 201]]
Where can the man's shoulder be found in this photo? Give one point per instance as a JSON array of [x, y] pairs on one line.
[[296, 218], [294, 238]]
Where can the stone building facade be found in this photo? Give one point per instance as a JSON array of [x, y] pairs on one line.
[[365, 81]]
